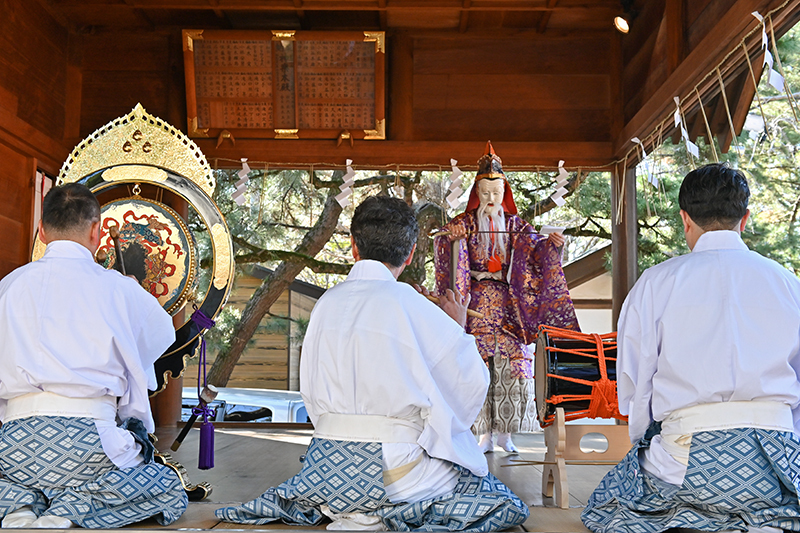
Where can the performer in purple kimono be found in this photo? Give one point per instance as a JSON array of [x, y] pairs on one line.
[[515, 280]]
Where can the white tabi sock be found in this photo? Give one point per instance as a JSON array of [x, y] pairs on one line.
[[52, 522], [504, 441], [485, 443], [352, 521], [21, 518]]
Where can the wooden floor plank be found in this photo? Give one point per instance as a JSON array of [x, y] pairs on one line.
[[555, 520], [199, 515]]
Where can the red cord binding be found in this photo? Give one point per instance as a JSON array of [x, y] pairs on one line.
[[603, 401]]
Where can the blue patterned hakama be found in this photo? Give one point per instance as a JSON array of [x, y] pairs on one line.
[[736, 478], [348, 477], [57, 466]]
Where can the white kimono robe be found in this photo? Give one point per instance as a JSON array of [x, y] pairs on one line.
[[720, 324], [375, 346], [70, 327]]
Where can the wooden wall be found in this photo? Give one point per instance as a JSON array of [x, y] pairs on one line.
[[265, 362], [446, 93], [301, 306], [16, 201], [516, 88], [123, 69], [33, 108]]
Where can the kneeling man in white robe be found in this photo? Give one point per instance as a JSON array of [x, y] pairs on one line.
[[76, 361], [392, 385], [708, 371]]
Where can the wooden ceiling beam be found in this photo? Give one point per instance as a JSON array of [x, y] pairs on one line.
[[544, 20], [53, 11], [676, 33], [726, 34], [463, 19], [140, 14], [418, 154], [589, 7], [696, 127], [738, 91]]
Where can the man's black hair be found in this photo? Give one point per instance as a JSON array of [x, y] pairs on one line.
[[715, 196], [385, 229], [69, 207]]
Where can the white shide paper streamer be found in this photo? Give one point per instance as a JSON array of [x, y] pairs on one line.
[[344, 197], [455, 190], [561, 181], [241, 185]]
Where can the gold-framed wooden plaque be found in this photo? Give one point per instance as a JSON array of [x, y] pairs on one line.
[[285, 84]]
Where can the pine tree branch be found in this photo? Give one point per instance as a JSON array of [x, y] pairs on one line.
[[271, 288]]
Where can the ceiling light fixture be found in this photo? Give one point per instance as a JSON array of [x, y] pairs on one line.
[[623, 21]]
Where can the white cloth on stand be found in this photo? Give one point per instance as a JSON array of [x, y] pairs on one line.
[[375, 346]]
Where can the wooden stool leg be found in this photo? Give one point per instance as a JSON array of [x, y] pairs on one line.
[[554, 474]]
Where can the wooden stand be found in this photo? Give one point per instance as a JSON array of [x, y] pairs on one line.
[[564, 447]]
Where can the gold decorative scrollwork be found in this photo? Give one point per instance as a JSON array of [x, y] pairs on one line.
[[189, 36], [286, 134], [164, 146], [379, 132], [222, 256], [135, 173], [287, 35], [379, 38]]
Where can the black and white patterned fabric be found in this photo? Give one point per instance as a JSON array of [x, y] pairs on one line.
[[348, 477], [736, 479], [58, 467]]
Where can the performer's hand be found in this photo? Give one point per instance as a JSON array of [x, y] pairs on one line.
[[421, 289], [459, 232], [454, 305], [557, 239]]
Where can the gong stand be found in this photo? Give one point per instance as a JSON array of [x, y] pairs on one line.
[[564, 448]]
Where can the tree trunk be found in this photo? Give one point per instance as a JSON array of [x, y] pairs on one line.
[[429, 216], [271, 289]]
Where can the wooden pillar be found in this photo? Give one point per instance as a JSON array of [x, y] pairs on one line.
[[401, 88], [166, 405], [73, 92], [624, 236]]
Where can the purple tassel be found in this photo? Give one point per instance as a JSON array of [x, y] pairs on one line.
[[206, 459]]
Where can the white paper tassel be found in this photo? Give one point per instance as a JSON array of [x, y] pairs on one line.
[[346, 187], [455, 190], [561, 180], [241, 185], [774, 77]]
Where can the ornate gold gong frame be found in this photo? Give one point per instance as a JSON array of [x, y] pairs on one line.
[[138, 148]]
